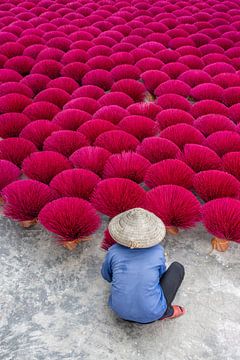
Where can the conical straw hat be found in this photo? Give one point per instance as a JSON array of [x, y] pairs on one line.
[[137, 228]]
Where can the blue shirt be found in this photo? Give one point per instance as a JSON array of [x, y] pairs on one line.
[[134, 275]]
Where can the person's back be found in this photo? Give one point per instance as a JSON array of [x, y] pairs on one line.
[[136, 294]]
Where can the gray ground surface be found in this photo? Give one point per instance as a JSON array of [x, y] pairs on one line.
[[54, 303]]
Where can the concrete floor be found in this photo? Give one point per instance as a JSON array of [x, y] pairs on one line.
[[54, 303]]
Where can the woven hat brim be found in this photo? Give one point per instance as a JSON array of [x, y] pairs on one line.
[[137, 228]]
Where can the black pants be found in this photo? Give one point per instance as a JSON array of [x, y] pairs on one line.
[[170, 283]]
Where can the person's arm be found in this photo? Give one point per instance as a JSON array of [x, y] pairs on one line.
[[106, 268], [162, 269], [163, 263]]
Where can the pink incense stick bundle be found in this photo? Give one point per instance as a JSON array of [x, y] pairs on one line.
[[56, 96], [153, 46], [170, 171], [113, 196], [174, 69], [211, 48], [50, 53], [173, 87], [122, 58], [223, 142], [30, 39], [171, 117], [195, 77], [117, 141], [231, 163], [218, 68], [65, 142], [37, 131], [225, 80], [207, 91], [14, 103], [156, 149], [148, 109], [221, 218], [139, 126], [41, 110], [192, 61], [22, 64], [92, 158], [114, 34], [9, 173], [211, 123], [133, 39], [7, 36], [104, 40], [74, 55], [234, 113], [153, 78], [33, 50], [71, 119], [65, 83], [173, 101], [36, 82], [74, 183], [205, 107], [11, 124], [48, 67], [92, 129], [149, 63], [16, 150], [168, 55], [116, 98], [126, 165], [99, 77], [180, 41], [231, 96], [139, 54], [125, 71], [107, 241], [75, 70], [44, 165], [200, 158], [100, 62], [112, 113], [23, 200], [132, 88], [7, 75], [176, 206], [86, 104], [91, 91], [213, 184], [182, 134], [15, 87], [82, 220]]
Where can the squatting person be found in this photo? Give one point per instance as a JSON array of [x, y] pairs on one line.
[[142, 289]]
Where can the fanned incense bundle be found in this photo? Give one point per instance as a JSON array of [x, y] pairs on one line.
[[23, 200], [44, 165], [171, 171], [175, 206], [126, 165], [221, 218], [113, 196], [82, 220], [92, 158], [213, 184], [74, 183]]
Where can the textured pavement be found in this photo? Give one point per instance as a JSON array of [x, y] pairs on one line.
[[54, 302]]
